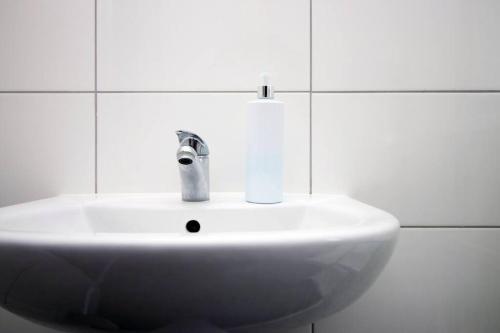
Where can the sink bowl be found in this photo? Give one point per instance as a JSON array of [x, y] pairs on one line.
[[152, 263]]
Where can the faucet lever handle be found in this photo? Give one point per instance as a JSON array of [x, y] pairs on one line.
[[193, 140]]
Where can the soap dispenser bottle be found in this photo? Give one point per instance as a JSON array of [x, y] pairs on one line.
[[264, 160]]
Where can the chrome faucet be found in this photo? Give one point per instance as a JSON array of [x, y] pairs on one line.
[[192, 157]]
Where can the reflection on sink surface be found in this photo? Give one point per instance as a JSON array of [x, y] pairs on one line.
[[128, 262]]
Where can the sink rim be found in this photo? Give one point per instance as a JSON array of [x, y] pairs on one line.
[[373, 223]]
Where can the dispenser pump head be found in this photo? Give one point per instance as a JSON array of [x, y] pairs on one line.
[[265, 89]]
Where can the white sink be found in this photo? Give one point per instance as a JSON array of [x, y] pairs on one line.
[[126, 262]]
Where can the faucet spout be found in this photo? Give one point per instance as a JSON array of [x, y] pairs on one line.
[[193, 161]]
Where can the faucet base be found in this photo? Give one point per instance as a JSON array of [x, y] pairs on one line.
[[190, 199]]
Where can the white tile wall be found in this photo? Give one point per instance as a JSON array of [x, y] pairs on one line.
[[438, 280], [46, 145], [46, 45], [202, 45], [430, 159], [137, 141], [406, 44]]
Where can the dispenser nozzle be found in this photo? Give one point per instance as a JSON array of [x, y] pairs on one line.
[[265, 90]]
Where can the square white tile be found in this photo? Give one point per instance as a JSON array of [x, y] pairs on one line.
[[137, 142], [47, 45], [46, 145], [438, 280], [202, 45], [406, 45], [430, 159]]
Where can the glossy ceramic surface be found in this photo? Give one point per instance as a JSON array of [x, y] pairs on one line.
[[127, 263]]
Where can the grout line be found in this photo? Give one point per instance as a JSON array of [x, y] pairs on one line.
[[450, 227], [310, 98], [248, 91], [310, 110], [182, 92], [195, 91], [95, 46], [405, 91], [95, 96], [47, 92], [144, 91]]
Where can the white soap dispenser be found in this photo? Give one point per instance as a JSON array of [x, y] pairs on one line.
[[264, 167]]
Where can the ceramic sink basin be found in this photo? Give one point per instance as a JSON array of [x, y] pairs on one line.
[[127, 263]]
